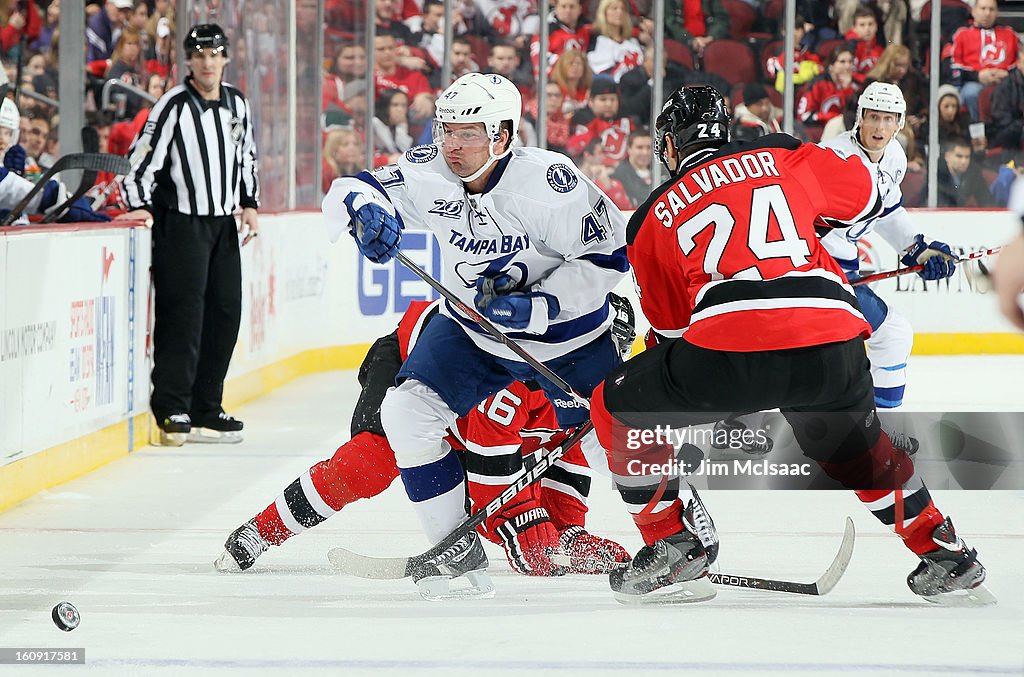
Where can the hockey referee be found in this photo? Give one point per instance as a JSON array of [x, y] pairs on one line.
[[193, 165]]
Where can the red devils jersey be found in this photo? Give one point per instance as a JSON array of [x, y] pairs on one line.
[[975, 49], [728, 253], [865, 53], [614, 135], [409, 81], [823, 100]]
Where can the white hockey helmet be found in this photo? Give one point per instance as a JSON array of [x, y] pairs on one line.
[[10, 118], [885, 97], [480, 97]]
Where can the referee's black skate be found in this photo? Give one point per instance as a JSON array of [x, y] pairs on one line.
[[174, 429], [464, 560], [216, 429], [951, 575], [242, 549]]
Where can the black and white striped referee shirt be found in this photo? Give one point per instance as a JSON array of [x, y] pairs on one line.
[[194, 156]]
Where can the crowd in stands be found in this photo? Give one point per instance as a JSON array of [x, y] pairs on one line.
[[599, 64]]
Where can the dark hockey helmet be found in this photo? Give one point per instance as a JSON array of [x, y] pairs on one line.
[[694, 117], [624, 324], [206, 36]]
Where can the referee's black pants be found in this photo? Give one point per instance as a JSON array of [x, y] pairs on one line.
[[197, 278]]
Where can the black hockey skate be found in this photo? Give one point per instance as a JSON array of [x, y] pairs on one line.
[[217, 429], [242, 549], [951, 575], [674, 569], [466, 559], [904, 441], [728, 434], [174, 429]]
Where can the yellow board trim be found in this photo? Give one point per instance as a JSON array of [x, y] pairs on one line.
[[72, 459]]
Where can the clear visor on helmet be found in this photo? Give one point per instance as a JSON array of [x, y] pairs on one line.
[[468, 136]]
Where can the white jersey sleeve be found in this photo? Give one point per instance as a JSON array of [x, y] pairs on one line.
[[894, 223]]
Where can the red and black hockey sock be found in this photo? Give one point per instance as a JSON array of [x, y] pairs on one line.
[[565, 488], [361, 468], [886, 483]]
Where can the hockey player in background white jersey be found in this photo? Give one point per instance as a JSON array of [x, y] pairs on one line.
[[881, 114], [524, 236]]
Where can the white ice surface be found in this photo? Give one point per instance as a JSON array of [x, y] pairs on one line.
[[131, 546]]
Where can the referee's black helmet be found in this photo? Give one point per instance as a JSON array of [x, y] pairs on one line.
[[206, 36]]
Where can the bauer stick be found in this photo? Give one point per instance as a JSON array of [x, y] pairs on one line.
[[914, 269], [102, 162], [487, 326], [454, 543]]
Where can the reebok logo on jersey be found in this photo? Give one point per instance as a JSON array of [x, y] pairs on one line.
[[568, 404]]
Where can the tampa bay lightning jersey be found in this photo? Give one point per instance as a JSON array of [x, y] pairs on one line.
[[894, 224], [539, 220]]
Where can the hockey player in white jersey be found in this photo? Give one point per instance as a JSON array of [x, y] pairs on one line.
[[881, 114], [524, 236]]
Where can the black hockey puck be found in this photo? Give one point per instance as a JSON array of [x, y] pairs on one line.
[[65, 616]]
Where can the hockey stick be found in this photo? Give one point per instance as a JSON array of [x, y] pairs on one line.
[[822, 586], [90, 144], [392, 568], [91, 161], [914, 269], [487, 326]]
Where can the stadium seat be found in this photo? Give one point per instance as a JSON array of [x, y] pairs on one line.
[[741, 17], [481, 50], [912, 188], [677, 52], [825, 48], [985, 104], [732, 60]]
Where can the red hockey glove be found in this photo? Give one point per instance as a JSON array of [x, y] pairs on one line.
[[529, 539], [590, 554]]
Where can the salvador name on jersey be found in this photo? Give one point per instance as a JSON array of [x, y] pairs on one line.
[[726, 255], [893, 224], [539, 220]]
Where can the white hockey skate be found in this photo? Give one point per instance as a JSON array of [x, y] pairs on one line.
[[951, 575], [465, 562], [174, 430], [220, 429]]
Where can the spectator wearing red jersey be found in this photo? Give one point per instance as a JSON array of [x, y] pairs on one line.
[[594, 165], [565, 32], [983, 54], [825, 97], [601, 120], [573, 75], [613, 50], [23, 21], [863, 40], [391, 75], [696, 22]]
